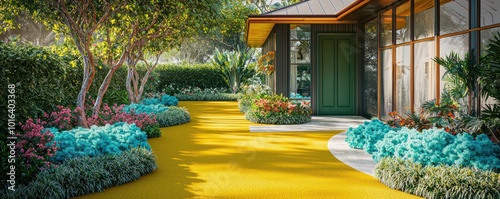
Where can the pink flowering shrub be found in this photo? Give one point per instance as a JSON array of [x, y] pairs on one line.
[[276, 109], [111, 115], [66, 119], [33, 150], [63, 118]]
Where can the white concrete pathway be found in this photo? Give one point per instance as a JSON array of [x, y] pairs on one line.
[[355, 158]]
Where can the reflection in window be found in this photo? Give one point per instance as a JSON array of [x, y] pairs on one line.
[[300, 61], [403, 23], [490, 12], [424, 19], [486, 35], [425, 73], [386, 32], [386, 91], [458, 44], [370, 68], [454, 16], [403, 79]]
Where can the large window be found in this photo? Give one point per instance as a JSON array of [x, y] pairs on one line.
[[386, 91], [458, 44], [424, 19], [403, 23], [454, 16], [425, 73], [403, 79], [490, 12], [300, 62], [386, 32], [370, 70]]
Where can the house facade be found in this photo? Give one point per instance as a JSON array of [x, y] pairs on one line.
[[369, 57]]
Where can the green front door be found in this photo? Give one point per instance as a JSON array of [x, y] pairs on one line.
[[336, 74]]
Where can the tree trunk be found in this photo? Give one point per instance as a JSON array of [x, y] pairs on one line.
[[104, 87], [128, 82], [88, 77]]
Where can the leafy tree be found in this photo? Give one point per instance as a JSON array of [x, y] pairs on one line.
[[266, 5], [134, 21]]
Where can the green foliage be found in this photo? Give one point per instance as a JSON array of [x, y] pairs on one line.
[[84, 175], [437, 181], [490, 73], [182, 76], [37, 75], [173, 116], [250, 90], [461, 74], [234, 66]]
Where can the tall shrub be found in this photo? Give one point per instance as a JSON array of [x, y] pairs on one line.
[[234, 66]]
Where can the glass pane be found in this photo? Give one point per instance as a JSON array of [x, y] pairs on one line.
[[300, 59], [386, 32], [425, 73], [490, 12], [386, 90], [486, 35], [458, 44], [403, 23], [300, 52], [403, 79], [454, 16], [370, 81], [424, 19], [300, 32], [300, 81]]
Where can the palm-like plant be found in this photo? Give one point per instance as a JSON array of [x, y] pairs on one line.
[[234, 66], [462, 74]]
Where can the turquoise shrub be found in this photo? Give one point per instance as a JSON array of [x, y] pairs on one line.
[[366, 135], [85, 175], [142, 108], [437, 181], [436, 147], [173, 116], [166, 100], [109, 139]]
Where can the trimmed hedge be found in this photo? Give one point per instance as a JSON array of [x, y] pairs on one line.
[[173, 116], [84, 175], [437, 147], [437, 181], [38, 75], [184, 75], [109, 139]]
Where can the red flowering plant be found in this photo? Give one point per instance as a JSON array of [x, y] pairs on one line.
[[33, 150], [412, 121], [277, 109]]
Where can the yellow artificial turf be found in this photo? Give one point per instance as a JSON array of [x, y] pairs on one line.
[[216, 156]]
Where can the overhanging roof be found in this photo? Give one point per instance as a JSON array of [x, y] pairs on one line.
[[310, 12]]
